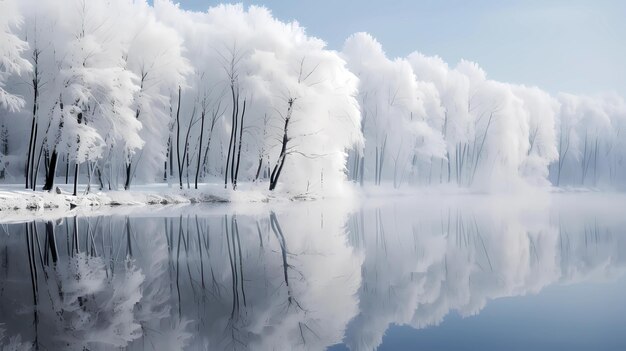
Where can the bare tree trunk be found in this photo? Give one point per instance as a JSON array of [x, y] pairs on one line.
[[128, 175], [278, 168], [31, 142], [100, 178], [200, 147], [233, 130], [30, 160], [258, 170], [41, 151], [167, 156], [67, 168], [243, 113], [75, 178], [180, 179], [51, 171], [33, 171], [188, 156]]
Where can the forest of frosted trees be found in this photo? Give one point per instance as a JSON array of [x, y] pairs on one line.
[[118, 93]]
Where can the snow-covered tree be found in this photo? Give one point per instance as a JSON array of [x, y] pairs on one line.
[[278, 71], [402, 117], [12, 49], [154, 53], [125, 90]]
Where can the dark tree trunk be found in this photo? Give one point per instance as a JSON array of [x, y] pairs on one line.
[[75, 178], [30, 160], [258, 170], [278, 168], [170, 152], [233, 130], [178, 138], [168, 156], [30, 144], [33, 171], [200, 149], [67, 169], [128, 175], [41, 151], [100, 179], [232, 160], [51, 171], [243, 113]]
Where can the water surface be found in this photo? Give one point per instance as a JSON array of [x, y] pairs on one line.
[[430, 273]]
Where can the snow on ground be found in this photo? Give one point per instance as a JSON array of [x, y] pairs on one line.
[[14, 197], [18, 205]]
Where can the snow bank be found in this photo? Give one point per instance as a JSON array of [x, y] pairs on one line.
[[17, 203]]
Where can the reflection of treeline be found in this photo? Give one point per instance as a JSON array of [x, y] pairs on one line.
[[199, 260], [271, 279], [136, 274], [84, 288], [422, 264]]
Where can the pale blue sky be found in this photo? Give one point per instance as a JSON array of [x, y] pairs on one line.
[[560, 45]]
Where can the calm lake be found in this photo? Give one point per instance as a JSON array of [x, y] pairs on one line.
[[431, 273]]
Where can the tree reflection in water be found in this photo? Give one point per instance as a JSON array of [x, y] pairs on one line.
[[306, 276]]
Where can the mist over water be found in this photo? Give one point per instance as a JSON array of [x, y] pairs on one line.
[[388, 273]]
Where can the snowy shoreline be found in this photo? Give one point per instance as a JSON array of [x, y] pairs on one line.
[[15, 198], [18, 205]]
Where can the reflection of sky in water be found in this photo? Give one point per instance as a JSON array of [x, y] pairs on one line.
[[583, 316], [469, 272]]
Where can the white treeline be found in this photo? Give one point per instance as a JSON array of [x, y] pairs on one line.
[[425, 122], [114, 93]]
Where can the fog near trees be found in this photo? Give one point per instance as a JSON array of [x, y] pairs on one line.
[[120, 93]]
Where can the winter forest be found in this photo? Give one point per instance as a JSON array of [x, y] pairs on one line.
[[157, 162], [118, 93]]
